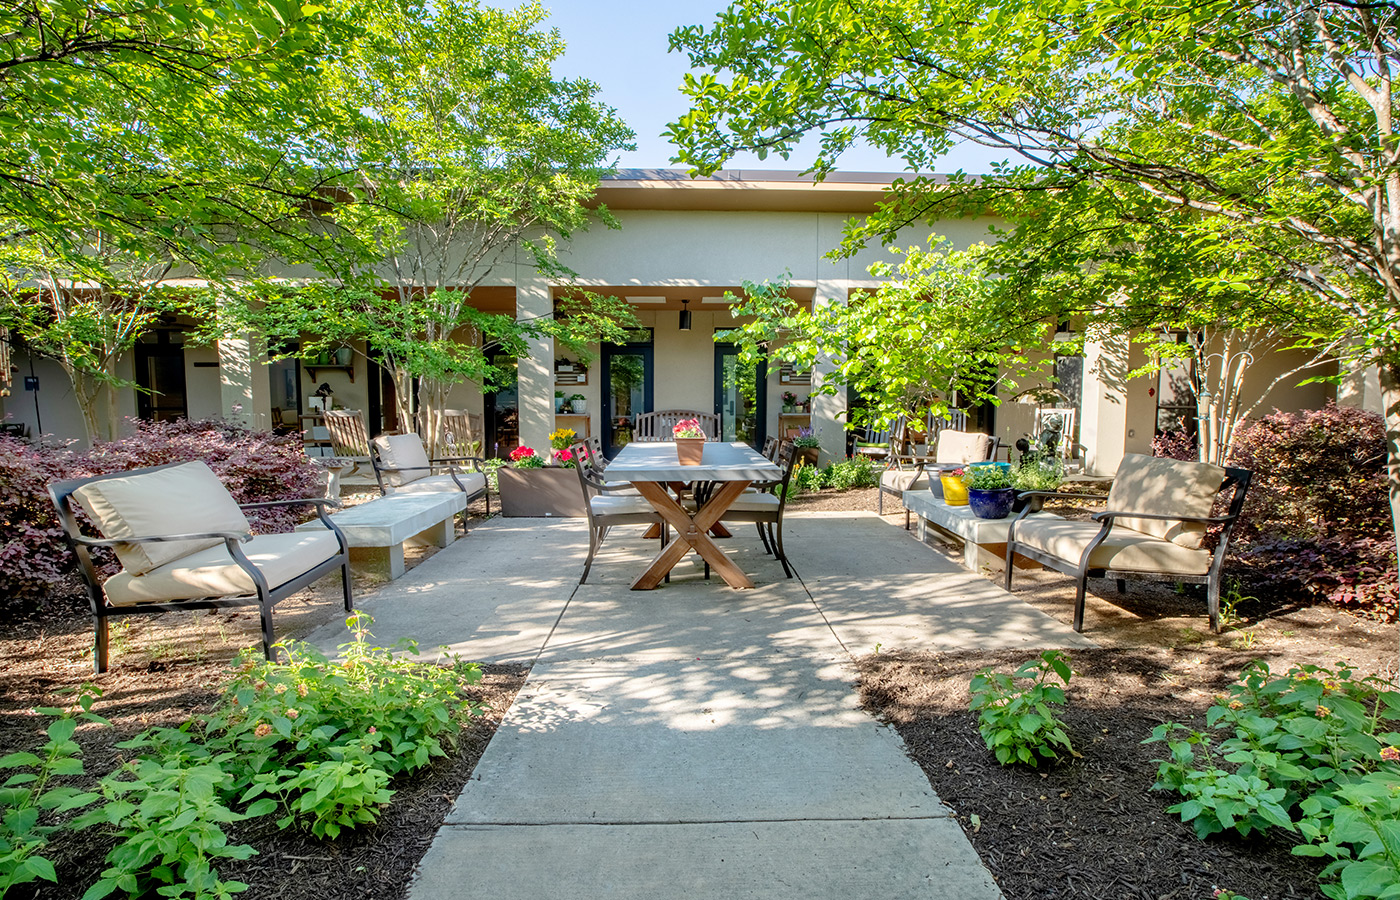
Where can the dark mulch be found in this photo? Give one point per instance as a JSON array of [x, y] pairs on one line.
[[1088, 827]]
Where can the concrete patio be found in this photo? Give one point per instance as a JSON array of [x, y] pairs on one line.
[[694, 740]]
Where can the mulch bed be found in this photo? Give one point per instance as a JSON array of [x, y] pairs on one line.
[[1086, 827]]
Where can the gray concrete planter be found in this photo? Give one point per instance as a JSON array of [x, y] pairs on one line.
[[537, 493]]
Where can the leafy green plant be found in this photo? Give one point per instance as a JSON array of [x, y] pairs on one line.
[[805, 479], [1020, 723], [27, 795], [168, 813], [987, 478], [1037, 474], [325, 737], [1312, 752], [851, 473]]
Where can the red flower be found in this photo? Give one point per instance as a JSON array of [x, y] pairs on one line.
[[564, 456], [520, 453]]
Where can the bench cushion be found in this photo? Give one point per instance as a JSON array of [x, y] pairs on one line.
[[402, 451], [182, 499], [619, 504], [434, 484], [1167, 487], [1123, 549], [755, 503], [903, 480], [962, 446], [213, 573]]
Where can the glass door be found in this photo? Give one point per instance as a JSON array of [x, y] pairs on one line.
[[627, 391], [160, 376], [739, 397]]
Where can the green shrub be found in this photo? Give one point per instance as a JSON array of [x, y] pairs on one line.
[[856, 472], [324, 738], [27, 795], [1312, 753], [1021, 724], [805, 478]]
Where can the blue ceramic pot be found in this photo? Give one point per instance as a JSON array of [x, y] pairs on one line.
[[993, 504]]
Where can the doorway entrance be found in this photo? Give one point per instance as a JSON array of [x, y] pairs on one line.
[[160, 376], [740, 398], [627, 390]]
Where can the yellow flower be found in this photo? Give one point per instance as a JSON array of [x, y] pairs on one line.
[[301, 690], [292, 712], [280, 689], [1390, 754], [263, 730], [1323, 712]]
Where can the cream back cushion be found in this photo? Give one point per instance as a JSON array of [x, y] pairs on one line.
[[402, 451], [962, 447], [1166, 487], [182, 499]]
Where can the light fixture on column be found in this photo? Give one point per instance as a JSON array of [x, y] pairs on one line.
[[685, 315]]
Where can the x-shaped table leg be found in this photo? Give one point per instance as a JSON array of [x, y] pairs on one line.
[[692, 534]]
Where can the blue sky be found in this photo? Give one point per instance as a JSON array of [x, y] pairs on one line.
[[622, 46]]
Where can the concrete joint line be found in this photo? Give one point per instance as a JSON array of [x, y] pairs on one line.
[[627, 823]]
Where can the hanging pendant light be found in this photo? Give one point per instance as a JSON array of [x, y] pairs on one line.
[[685, 315]]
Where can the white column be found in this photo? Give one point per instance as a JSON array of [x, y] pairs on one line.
[[244, 394], [1360, 387], [1119, 415], [833, 285], [535, 375]]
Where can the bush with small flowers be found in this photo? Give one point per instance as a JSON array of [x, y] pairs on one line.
[[1316, 753]]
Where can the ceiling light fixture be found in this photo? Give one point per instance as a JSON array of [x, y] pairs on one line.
[[685, 315]]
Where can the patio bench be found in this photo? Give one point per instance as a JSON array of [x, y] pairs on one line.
[[376, 531], [983, 541]]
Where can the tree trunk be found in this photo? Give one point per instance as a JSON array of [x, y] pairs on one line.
[[1390, 398]]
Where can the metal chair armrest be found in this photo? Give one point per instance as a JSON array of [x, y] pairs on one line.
[[1114, 514], [318, 501], [239, 536]]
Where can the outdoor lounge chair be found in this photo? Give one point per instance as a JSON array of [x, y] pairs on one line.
[[908, 472], [402, 466], [183, 543], [659, 425], [1154, 527], [609, 505]]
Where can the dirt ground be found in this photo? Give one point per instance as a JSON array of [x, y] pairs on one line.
[[1087, 828]]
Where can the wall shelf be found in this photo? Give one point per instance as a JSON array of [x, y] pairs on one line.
[[312, 367]]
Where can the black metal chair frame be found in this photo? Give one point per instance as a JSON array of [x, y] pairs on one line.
[[435, 466], [266, 596], [768, 523], [1236, 481], [598, 525], [898, 459]]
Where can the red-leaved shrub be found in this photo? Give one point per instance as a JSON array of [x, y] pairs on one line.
[[1176, 445], [1317, 519], [255, 466]]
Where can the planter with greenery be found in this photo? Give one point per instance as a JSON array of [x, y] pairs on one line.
[[1032, 475], [989, 491], [531, 489]]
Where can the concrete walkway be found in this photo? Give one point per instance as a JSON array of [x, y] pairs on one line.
[[696, 741]]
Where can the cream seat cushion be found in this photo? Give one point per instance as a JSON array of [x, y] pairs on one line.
[[403, 451], [435, 484], [1167, 487], [903, 480], [183, 499], [755, 503], [962, 447], [213, 573], [619, 505], [1123, 549]]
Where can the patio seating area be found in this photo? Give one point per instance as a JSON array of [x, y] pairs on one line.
[[660, 731]]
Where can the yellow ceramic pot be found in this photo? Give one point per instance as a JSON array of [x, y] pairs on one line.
[[954, 490]]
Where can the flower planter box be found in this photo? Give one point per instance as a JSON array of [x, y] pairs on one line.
[[539, 493]]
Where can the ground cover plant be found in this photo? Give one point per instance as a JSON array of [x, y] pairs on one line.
[[311, 745], [1018, 713], [1311, 753]]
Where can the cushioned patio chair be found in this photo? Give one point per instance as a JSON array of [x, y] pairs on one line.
[[183, 543], [1154, 527], [609, 505], [765, 510], [402, 466], [952, 449]]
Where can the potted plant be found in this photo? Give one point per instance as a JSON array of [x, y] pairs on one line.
[[561, 440], [579, 404], [807, 442], [1035, 474], [530, 487], [558, 401], [789, 402], [690, 441], [989, 491], [954, 488]]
